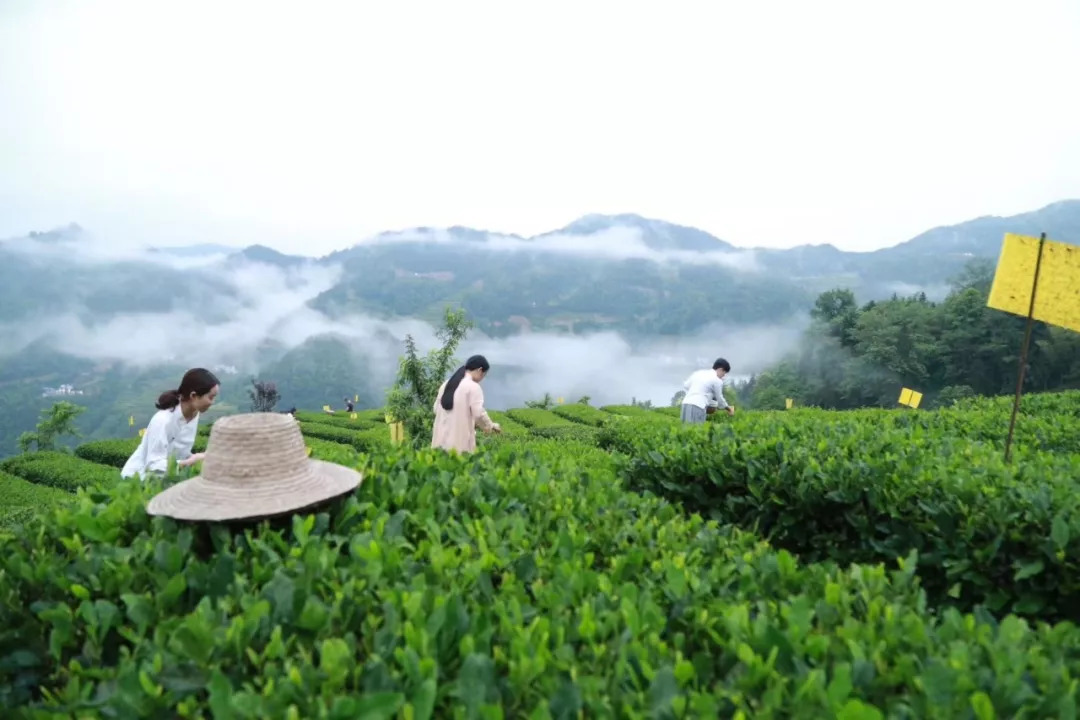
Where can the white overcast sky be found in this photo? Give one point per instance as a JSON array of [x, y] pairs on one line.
[[308, 126]]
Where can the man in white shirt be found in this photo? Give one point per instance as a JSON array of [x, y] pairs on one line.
[[705, 389]]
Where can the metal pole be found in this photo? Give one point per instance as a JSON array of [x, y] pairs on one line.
[[1024, 349]]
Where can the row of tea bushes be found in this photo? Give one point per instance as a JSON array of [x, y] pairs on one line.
[[986, 531], [510, 427], [364, 419], [520, 582], [1038, 428], [638, 412], [1065, 403], [583, 414], [553, 425], [573, 431], [116, 452], [334, 452], [370, 438], [331, 433], [536, 417], [59, 470], [21, 499]]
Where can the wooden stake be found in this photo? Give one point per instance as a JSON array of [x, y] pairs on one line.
[[1024, 350]]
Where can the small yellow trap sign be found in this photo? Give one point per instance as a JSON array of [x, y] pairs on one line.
[[142, 432], [308, 449], [353, 416], [327, 408], [788, 403], [131, 421], [1057, 296], [910, 397], [397, 430]]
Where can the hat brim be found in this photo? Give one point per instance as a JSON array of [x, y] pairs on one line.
[[199, 499]]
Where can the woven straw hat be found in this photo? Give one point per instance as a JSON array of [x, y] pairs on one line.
[[256, 466]]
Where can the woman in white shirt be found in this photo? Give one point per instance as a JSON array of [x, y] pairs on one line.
[[173, 428]]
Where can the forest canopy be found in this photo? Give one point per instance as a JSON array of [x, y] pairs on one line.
[[857, 356]]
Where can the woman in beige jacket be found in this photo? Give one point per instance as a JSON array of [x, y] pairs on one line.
[[459, 408]]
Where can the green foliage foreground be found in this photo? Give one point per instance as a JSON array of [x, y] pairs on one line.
[[520, 582], [571, 577], [869, 490]]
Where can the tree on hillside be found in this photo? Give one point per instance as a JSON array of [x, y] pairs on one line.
[[412, 398], [56, 422], [861, 356], [544, 403], [264, 395], [838, 312]]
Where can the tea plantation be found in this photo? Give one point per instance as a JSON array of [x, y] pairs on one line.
[[588, 563]]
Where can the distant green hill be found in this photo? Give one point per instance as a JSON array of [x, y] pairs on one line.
[[645, 279]]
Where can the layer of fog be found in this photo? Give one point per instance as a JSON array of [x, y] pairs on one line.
[[271, 305], [619, 242], [934, 293], [611, 370], [74, 244]]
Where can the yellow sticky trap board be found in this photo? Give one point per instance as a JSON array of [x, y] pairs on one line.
[[397, 433], [327, 408], [142, 432], [560, 401], [788, 403], [910, 397], [356, 398], [131, 420], [308, 449], [353, 416], [1057, 299]]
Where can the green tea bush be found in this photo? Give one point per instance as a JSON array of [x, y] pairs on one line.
[[59, 470], [341, 420], [638, 413], [985, 531], [1048, 403], [510, 427], [21, 499], [512, 583], [372, 440], [372, 415], [328, 432], [108, 452], [1037, 428], [583, 433], [583, 414], [332, 451], [536, 417]]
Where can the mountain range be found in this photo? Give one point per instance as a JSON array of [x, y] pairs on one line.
[[117, 326]]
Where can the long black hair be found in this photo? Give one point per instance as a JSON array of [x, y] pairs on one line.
[[196, 380], [476, 362]]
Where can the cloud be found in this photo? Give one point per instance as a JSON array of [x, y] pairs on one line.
[[618, 242], [612, 370], [74, 244], [934, 293], [263, 303], [269, 304]]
